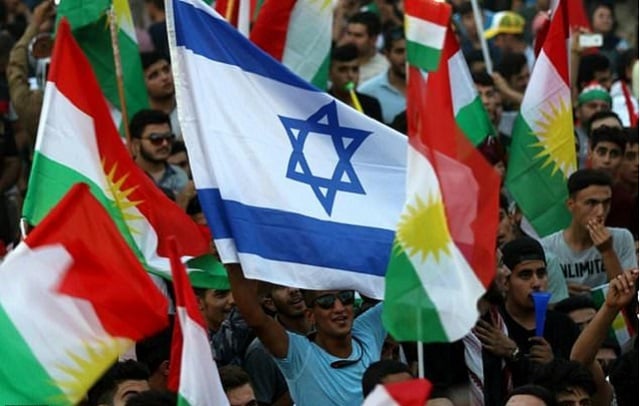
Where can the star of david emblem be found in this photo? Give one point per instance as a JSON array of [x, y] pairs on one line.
[[345, 141]]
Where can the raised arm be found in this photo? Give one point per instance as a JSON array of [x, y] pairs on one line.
[[621, 291], [245, 294]]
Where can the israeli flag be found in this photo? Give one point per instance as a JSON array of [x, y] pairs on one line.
[[298, 187]]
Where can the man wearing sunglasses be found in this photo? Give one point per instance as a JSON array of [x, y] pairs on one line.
[[151, 139], [325, 367]]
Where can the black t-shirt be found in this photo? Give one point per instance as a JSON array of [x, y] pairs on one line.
[[559, 331]]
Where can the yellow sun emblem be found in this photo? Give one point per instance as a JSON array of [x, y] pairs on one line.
[[121, 197], [83, 370], [555, 137], [423, 229]]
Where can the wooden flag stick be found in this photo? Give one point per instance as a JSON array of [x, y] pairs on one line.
[[113, 27]]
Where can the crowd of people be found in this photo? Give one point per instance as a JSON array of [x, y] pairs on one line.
[[280, 345]]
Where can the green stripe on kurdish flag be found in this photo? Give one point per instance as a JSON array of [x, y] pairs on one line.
[[20, 384], [426, 24], [404, 290], [468, 110], [529, 170]]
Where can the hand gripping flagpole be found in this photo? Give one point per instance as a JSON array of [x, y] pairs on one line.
[[483, 42], [113, 28]]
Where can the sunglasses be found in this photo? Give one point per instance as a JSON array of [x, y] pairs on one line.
[[327, 301], [158, 138]]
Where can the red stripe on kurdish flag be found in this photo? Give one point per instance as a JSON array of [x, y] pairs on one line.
[[81, 224], [472, 219], [433, 11], [269, 31], [82, 89]]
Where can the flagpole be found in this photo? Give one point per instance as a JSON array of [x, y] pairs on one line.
[[228, 13], [113, 27], [483, 42], [420, 359]]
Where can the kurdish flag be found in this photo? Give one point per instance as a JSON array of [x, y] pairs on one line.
[[443, 258], [542, 154], [298, 34], [90, 23], [426, 23], [193, 373], [471, 116], [306, 193], [73, 297], [77, 142]]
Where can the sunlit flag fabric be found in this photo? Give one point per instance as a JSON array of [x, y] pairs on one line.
[[78, 142], [193, 373], [73, 297], [444, 256], [543, 153], [297, 33], [299, 188]]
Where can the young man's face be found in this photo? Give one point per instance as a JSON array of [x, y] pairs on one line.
[[342, 73], [288, 301], [628, 170], [154, 145], [335, 321], [593, 202], [520, 80], [606, 156], [585, 111], [159, 80], [397, 56], [357, 34], [215, 306], [527, 277], [489, 101]]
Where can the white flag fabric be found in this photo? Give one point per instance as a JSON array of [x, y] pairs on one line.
[[298, 187]]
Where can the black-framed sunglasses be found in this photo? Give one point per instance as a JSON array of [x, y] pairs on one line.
[[158, 138], [346, 297]]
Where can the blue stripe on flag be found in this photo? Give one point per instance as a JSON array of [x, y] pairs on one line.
[[215, 39], [289, 237]]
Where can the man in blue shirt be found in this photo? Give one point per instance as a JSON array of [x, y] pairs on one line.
[[326, 367]]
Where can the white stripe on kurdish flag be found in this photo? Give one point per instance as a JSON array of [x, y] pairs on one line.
[[447, 280], [308, 37], [294, 274], [199, 379], [67, 136], [261, 145], [64, 325], [463, 90], [69, 139], [425, 32], [546, 86]]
